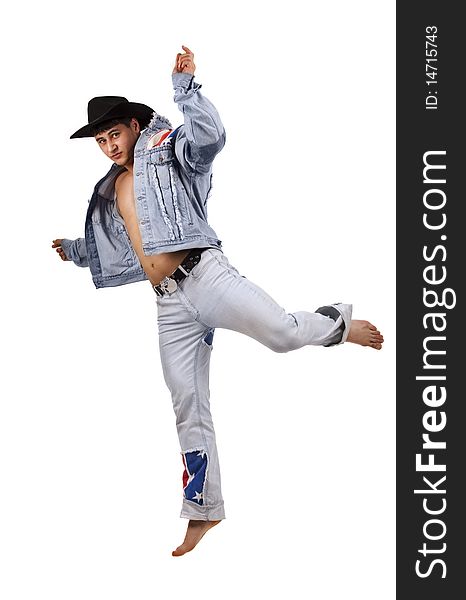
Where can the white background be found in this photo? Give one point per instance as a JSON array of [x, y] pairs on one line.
[[303, 200]]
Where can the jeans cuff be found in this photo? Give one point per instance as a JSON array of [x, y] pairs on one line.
[[191, 510]]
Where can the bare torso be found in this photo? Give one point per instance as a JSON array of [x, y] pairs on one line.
[[156, 266]]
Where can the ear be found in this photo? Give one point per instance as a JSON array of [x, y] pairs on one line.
[[134, 123]]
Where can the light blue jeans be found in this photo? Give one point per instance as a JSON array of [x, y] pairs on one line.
[[216, 295]]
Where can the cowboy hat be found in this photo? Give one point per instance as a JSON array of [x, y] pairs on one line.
[[105, 108]]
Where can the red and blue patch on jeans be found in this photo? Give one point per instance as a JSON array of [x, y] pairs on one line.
[[195, 468]]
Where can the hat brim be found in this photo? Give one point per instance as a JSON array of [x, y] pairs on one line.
[[141, 112]]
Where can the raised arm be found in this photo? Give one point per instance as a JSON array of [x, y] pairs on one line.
[[74, 250], [202, 135]]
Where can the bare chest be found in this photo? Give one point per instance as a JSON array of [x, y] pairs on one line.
[[157, 266]]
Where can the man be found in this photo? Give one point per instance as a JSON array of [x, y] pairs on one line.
[[148, 219]]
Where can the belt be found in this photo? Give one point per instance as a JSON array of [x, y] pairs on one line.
[[169, 284]]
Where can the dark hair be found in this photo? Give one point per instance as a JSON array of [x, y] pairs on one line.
[[111, 123]]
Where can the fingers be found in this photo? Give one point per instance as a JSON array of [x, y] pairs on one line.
[[61, 253], [175, 67], [184, 62]]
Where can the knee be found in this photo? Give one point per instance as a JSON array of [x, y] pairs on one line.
[[280, 344], [280, 348], [283, 338]]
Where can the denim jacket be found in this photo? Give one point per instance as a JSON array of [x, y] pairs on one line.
[[172, 182]]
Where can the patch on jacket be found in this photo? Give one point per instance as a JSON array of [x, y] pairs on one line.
[[158, 138]]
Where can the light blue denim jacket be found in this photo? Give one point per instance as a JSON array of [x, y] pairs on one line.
[[171, 188]]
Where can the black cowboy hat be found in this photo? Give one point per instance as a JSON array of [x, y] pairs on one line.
[[105, 108]]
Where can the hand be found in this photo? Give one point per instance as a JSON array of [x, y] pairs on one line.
[[184, 63], [57, 244]]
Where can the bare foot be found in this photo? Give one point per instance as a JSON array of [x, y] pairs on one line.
[[194, 533], [365, 334]]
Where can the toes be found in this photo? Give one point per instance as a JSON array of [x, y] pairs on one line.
[[373, 329], [375, 334]]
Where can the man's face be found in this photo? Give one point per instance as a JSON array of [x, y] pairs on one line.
[[118, 142]]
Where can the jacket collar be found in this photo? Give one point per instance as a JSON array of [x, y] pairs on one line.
[[158, 122]]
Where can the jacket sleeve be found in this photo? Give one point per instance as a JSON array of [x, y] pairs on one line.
[[75, 250], [202, 136]]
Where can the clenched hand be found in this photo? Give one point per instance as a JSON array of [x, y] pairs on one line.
[[184, 63], [57, 244]]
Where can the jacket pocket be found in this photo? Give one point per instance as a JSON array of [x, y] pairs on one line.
[[114, 248], [161, 160]]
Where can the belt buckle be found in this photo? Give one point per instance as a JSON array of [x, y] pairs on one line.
[[167, 285]]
